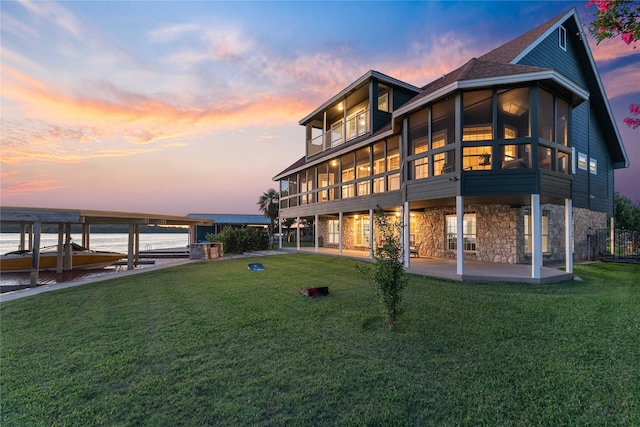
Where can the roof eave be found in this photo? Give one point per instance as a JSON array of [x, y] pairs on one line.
[[580, 92], [353, 86]]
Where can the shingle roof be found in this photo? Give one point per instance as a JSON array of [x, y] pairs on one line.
[[507, 52], [476, 69]]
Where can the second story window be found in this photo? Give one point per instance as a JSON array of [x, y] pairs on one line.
[[513, 113], [478, 115], [443, 123], [383, 102]]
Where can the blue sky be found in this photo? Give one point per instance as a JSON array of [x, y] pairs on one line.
[[183, 107]]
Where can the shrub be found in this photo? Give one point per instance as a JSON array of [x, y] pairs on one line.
[[239, 240]]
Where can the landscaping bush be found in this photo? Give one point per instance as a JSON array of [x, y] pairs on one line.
[[240, 240]]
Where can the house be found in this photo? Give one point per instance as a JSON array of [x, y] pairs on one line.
[[509, 158], [222, 221]]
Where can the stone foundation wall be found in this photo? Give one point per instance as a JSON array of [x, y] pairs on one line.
[[496, 227], [499, 233], [583, 219]]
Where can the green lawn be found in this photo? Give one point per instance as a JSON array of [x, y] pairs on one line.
[[216, 344]]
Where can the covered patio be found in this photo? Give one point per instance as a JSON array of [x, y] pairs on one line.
[[446, 268]]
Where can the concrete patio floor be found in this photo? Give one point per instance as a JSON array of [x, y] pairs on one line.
[[445, 268]]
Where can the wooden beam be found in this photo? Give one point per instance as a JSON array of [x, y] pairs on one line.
[[60, 249], [35, 258]]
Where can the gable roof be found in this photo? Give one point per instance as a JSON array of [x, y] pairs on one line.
[[515, 50], [509, 52]]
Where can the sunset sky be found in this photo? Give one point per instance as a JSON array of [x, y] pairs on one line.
[[192, 107]]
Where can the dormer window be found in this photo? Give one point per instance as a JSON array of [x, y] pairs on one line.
[[383, 102], [562, 38]]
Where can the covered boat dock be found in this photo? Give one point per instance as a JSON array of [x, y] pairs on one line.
[[31, 220]]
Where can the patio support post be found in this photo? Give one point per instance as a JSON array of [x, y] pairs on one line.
[[315, 230], [536, 236], [406, 240], [298, 233], [371, 234], [568, 234], [23, 231], [35, 258], [460, 235], [340, 219], [279, 231], [60, 250]]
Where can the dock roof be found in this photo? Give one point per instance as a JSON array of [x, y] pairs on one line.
[[26, 215]]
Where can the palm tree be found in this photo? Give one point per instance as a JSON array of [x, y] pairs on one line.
[[268, 204]]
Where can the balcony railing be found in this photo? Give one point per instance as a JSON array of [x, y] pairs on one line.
[[357, 125]]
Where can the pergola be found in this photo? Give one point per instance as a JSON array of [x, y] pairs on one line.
[[31, 220]]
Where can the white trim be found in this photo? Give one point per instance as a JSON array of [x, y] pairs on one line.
[[460, 235], [544, 35], [536, 236], [562, 37]]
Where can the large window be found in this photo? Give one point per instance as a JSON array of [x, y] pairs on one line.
[[333, 235], [393, 182], [348, 168], [545, 115], [363, 163], [515, 156], [378, 158], [545, 155], [393, 154], [468, 232], [478, 115], [444, 163], [361, 231], [443, 123], [528, 229], [562, 122], [357, 124], [419, 131], [421, 168], [513, 113], [476, 158]]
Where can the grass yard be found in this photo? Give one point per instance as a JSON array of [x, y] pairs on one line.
[[213, 343]]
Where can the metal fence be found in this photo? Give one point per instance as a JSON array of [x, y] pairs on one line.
[[626, 245]]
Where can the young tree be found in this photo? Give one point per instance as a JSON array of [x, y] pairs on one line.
[[268, 203], [387, 274], [618, 18]]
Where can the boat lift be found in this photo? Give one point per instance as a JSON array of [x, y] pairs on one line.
[[31, 220]]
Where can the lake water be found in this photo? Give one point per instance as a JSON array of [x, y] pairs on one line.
[[115, 242]]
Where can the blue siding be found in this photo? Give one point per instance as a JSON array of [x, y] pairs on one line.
[[589, 191], [549, 54]]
